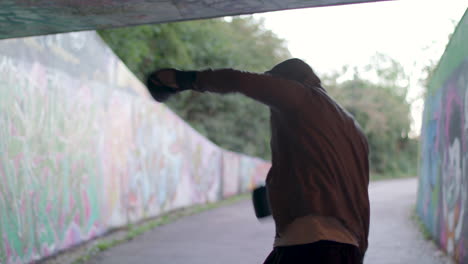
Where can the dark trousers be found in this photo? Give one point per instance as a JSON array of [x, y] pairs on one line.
[[326, 252]]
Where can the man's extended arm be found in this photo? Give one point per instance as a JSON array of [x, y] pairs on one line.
[[272, 91]]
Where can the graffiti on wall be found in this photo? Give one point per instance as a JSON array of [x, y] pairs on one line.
[[444, 171], [443, 184], [83, 149]]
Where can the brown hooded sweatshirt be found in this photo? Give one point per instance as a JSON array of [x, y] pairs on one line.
[[319, 154]]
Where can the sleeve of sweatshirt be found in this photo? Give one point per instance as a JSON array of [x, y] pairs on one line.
[[275, 92]]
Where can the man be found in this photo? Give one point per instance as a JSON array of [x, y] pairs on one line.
[[317, 185]]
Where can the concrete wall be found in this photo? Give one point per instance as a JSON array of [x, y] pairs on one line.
[[83, 149], [443, 181], [20, 18]]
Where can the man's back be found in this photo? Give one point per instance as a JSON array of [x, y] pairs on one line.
[[319, 166], [320, 173]]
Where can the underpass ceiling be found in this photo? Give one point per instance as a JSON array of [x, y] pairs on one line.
[[19, 18]]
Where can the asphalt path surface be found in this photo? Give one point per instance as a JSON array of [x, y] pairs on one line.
[[232, 235]]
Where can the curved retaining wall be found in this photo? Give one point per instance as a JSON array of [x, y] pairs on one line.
[[443, 180], [83, 149]]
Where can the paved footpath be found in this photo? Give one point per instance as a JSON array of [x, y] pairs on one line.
[[232, 235]]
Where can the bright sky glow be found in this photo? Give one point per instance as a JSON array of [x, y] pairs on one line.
[[413, 32]]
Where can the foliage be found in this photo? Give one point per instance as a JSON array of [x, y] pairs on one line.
[[375, 94], [381, 109], [241, 43]]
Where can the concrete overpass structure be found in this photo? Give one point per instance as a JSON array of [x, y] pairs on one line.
[[40, 17]]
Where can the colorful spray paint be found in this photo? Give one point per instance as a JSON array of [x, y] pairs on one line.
[[443, 184], [83, 149]]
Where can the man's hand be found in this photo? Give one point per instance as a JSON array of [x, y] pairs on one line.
[[164, 83], [168, 77]]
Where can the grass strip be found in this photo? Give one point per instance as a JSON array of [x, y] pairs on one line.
[[135, 230], [421, 226]]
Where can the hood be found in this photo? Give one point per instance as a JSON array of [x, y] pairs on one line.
[[296, 70]]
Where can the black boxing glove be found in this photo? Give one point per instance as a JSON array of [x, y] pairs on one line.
[[161, 91], [261, 203]]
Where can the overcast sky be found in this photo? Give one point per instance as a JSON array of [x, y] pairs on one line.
[[411, 31]]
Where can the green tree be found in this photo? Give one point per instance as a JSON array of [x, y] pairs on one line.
[[233, 121], [381, 108], [375, 95]]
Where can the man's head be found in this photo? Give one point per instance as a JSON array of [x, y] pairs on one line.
[[296, 70]]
